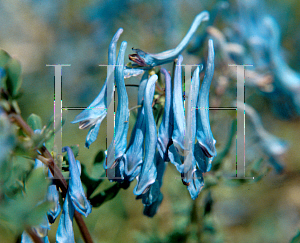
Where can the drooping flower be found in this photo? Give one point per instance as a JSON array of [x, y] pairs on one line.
[[285, 77], [149, 60], [166, 127], [97, 110], [117, 148], [148, 173], [190, 159], [53, 196], [75, 200], [135, 150], [178, 111], [272, 146], [204, 135], [153, 197]]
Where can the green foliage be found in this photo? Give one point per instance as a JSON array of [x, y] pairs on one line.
[[12, 80], [34, 121], [25, 209], [90, 183], [296, 239]]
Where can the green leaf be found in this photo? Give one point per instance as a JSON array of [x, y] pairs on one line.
[[36, 186], [39, 213], [100, 157], [105, 195], [35, 122], [296, 238], [4, 58], [14, 80], [25, 210], [90, 183]]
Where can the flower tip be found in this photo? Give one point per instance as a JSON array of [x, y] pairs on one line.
[[179, 59], [204, 15]]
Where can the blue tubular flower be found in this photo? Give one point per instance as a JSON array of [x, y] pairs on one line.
[[179, 118], [75, 189], [197, 183], [96, 111], [134, 153], [122, 116], [153, 197], [204, 135], [75, 199], [131, 72], [53, 196], [272, 146], [286, 77], [148, 174], [149, 60], [176, 150], [165, 129], [190, 131], [65, 233]]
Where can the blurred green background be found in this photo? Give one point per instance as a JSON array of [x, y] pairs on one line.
[[78, 32]]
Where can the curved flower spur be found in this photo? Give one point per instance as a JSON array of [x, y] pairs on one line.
[[148, 60]]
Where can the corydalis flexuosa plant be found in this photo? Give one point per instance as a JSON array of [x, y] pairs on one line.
[[153, 143]]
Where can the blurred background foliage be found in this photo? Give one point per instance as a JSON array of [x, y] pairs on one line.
[[77, 32]]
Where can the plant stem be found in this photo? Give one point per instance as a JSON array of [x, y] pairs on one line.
[[61, 182]]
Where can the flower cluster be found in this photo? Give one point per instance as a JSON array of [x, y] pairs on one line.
[[260, 34], [184, 140]]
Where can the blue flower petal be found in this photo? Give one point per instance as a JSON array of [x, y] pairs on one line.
[[53, 196], [204, 135], [166, 129], [178, 110], [151, 209], [122, 115], [148, 173], [132, 72], [97, 110], [75, 189], [65, 232], [149, 60], [190, 130], [286, 77], [196, 184], [135, 150]]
